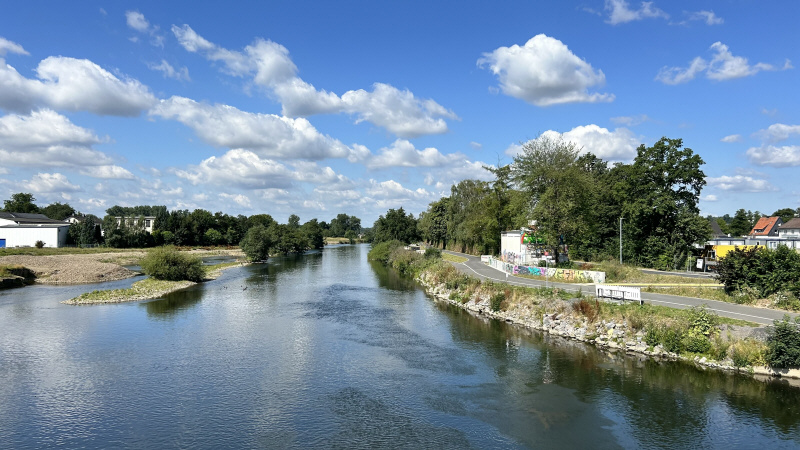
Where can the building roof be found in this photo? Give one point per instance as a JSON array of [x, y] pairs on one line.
[[716, 231], [28, 218], [792, 224], [765, 226]]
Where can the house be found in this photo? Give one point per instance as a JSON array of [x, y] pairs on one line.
[[144, 222], [24, 229], [522, 247], [766, 226], [790, 229]]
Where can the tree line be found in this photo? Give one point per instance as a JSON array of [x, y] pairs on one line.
[[743, 221], [576, 201], [124, 227]]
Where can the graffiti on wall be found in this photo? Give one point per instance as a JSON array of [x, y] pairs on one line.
[[583, 276]]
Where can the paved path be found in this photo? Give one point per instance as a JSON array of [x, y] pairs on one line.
[[473, 266]]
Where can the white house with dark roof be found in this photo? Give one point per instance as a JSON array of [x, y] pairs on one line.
[[24, 229], [790, 229]]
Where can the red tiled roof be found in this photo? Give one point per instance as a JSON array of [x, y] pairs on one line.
[[764, 226]]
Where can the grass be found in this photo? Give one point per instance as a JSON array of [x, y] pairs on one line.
[[141, 290], [454, 258], [48, 251], [6, 270]]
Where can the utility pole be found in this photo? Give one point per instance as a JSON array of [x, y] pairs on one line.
[[620, 239]]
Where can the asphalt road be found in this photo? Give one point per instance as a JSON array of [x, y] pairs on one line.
[[762, 316]]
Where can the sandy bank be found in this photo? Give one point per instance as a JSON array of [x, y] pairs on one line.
[[75, 269]]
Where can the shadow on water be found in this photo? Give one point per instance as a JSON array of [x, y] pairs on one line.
[[665, 401], [389, 278], [175, 303]]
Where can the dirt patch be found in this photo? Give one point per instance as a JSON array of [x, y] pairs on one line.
[[72, 269]]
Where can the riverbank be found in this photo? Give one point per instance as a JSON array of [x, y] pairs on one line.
[[739, 348]]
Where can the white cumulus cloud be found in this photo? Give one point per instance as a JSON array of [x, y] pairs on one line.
[[46, 138], [740, 183], [545, 72], [620, 12], [138, 22], [775, 156], [108, 171], [778, 132], [266, 134], [402, 153], [269, 66], [617, 145], [73, 85], [7, 46], [723, 66], [732, 138], [50, 183]]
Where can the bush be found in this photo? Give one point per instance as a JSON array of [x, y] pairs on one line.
[[167, 263], [257, 243], [696, 343], [783, 343], [496, 302], [432, 253], [404, 261], [587, 309], [382, 251], [39, 244], [747, 353], [702, 322]]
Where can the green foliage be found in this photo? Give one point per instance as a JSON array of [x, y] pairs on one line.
[[783, 343], [747, 353], [39, 244], [396, 225], [57, 211], [257, 243], [433, 253], [696, 343], [702, 322], [786, 214], [342, 224], [496, 302], [405, 261], [669, 337], [741, 224], [383, 250], [167, 263], [21, 203], [762, 270], [213, 237], [84, 232]]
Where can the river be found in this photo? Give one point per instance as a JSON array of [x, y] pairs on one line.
[[327, 350]]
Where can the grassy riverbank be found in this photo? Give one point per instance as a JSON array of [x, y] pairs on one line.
[[146, 289], [695, 335]]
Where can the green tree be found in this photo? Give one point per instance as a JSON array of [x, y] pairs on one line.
[[786, 214], [396, 225], [783, 343], [21, 203], [257, 243], [664, 185], [294, 221], [559, 189], [740, 224], [58, 211], [166, 263], [312, 233]]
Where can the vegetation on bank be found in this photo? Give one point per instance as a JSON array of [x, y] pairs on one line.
[[695, 332], [169, 264], [146, 289]]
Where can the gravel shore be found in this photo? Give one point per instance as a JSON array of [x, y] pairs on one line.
[[75, 269]]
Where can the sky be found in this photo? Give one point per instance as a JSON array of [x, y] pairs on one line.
[[317, 108]]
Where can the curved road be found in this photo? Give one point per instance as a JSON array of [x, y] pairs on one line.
[[762, 316]]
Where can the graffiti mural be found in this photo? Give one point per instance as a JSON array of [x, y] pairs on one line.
[[582, 276]]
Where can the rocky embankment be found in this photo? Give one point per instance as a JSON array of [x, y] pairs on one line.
[[604, 334]]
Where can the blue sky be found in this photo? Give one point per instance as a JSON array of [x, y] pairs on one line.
[[318, 108]]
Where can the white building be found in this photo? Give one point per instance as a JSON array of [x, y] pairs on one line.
[[521, 247], [23, 230], [146, 224]]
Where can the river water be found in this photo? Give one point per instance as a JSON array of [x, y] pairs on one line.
[[327, 350]]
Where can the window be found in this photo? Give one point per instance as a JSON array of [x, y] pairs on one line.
[[147, 223]]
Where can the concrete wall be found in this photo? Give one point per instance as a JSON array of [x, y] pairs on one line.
[[586, 276], [26, 236]]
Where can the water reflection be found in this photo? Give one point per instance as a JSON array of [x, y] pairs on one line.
[[174, 303]]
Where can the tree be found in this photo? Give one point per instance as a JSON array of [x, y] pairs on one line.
[[395, 226], [21, 203], [786, 214], [740, 224], [558, 188], [58, 211], [294, 221], [257, 243], [664, 186], [312, 232]]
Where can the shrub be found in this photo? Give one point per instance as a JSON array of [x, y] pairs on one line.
[[39, 244], [747, 353], [382, 251], [405, 261], [496, 302], [702, 322], [696, 343], [587, 309], [432, 253], [167, 263], [257, 243], [783, 343]]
